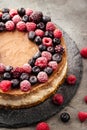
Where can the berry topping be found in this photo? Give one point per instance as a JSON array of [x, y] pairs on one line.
[[5, 17], [5, 10], [24, 76], [31, 35], [46, 54], [65, 117], [48, 34], [46, 19], [21, 26], [36, 16], [36, 70], [83, 52], [57, 33], [41, 62], [15, 83], [56, 41], [41, 26], [57, 57], [37, 55], [25, 18], [39, 32], [8, 68], [16, 19], [50, 26], [21, 11], [5, 85], [25, 86], [82, 116], [13, 12], [47, 41], [38, 40], [6, 75], [33, 80], [16, 72], [2, 68], [42, 47], [59, 49], [30, 26], [42, 126], [27, 68], [2, 26], [71, 79], [42, 77], [48, 70], [29, 11], [50, 49], [58, 99], [53, 65], [10, 26], [31, 62], [85, 99]]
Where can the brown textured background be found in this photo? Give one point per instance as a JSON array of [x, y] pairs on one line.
[[71, 15]]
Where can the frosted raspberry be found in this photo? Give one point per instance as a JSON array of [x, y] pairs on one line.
[[13, 12], [5, 85], [29, 11], [41, 62], [82, 116], [10, 25], [85, 99], [83, 52], [25, 86], [2, 68], [42, 126], [27, 68], [71, 79], [16, 19], [53, 65], [39, 32], [57, 33], [50, 26], [21, 26], [47, 54], [30, 26], [42, 77], [58, 99], [47, 41]]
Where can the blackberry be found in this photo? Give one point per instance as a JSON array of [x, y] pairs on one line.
[[25, 18], [59, 49], [50, 49], [31, 62], [42, 47], [41, 26], [5, 10], [8, 68], [33, 80], [48, 70], [35, 70], [46, 19], [2, 26], [48, 34], [65, 117], [31, 35], [21, 12], [15, 83], [6, 75], [5, 17], [38, 40], [37, 55], [57, 57], [56, 41], [24, 76]]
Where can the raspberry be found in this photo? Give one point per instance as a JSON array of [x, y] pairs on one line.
[[47, 54], [0, 14], [5, 85], [71, 79], [2, 68], [27, 68], [16, 19], [29, 11], [25, 86], [83, 52], [41, 62], [85, 99], [10, 25], [58, 99], [30, 26], [50, 26], [47, 41], [16, 72], [39, 32], [42, 126], [82, 116], [53, 65], [57, 33], [42, 77], [13, 12], [59, 49], [21, 26]]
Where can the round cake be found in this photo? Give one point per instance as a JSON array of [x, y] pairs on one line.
[[33, 58]]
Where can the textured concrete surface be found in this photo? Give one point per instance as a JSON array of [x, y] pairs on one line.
[[71, 15]]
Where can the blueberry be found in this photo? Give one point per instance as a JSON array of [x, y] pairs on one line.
[[56, 57], [65, 117], [24, 76], [50, 49], [6, 75], [6, 17], [48, 70], [35, 70], [38, 40], [33, 80], [42, 47], [15, 83], [31, 35], [5, 10], [56, 41], [48, 34], [37, 55], [46, 19], [8, 68], [41, 26], [21, 11], [2, 26], [25, 18]]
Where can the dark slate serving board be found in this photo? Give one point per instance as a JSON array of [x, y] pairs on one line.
[[25, 117]]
